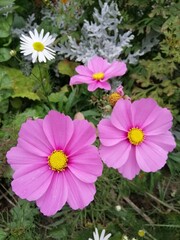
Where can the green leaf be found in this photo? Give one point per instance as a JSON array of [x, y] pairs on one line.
[[4, 104], [67, 67], [175, 157], [29, 95], [4, 54], [5, 91], [5, 25], [57, 97], [22, 86], [90, 113], [5, 81], [3, 234], [5, 94], [16, 103], [71, 101], [4, 3], [58, 233]]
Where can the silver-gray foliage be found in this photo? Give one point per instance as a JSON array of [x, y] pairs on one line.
[[30, 25], [58, 17], [102, 37]]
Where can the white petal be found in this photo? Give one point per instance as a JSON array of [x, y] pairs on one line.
[[36, 34], [45, 37], [41, 35], [34, 56], [50, 49], [49, 41], [102, 234], [32, 35]]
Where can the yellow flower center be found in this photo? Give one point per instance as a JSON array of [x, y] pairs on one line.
[[57, 160], [135, 136], [113, 98], [38, 46], [98, 76]]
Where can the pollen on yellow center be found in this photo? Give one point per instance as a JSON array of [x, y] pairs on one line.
[[38, 46], [58, 160], [98, 76], [113, 98], [135, 136]]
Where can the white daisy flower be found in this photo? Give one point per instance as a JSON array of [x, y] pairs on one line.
[[38, 46], [101, 237]]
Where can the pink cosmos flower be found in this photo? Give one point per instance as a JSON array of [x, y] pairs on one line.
[[97, 72], [136, 137], [55, 163]]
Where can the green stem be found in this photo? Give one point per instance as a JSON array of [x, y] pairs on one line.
[[43, 86]]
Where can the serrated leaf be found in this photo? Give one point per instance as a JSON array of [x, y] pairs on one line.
[[67, 67], [29, 95], [4, 104], [57, 97]]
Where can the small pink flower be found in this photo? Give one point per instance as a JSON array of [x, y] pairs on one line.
[[55, 163], [97, 72], [120, 90], [136, 137]]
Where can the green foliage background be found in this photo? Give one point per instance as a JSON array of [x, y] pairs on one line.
[[151, 201]]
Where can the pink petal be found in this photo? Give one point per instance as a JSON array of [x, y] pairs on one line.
[[115, 69], [97, 84], [84, 134], [98, 64], [117, 155], [166, 141], [31, 182], [55, 197], [92, 87], [83, 70], [108, 134], [120, 90], [144, 111], [78, 79], [58, 129], [86, 164], [104, 85], [130, 169], [80, 194], [33, 139], [26, 169], [32, 149], [150, 157], [161, 124], [121, 116], [18, 157]]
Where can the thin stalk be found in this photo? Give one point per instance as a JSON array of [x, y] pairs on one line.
[[41, 82], [43, 86]]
